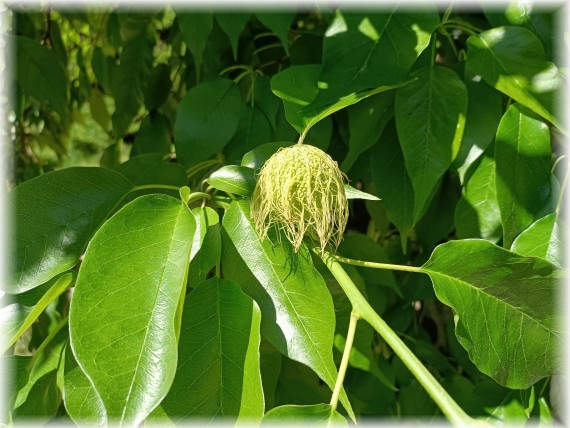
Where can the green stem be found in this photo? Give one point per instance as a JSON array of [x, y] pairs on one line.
[[362, 309], [46, 342], [154, 186], [196, 196], [344, 362], [197, 168], [376, 265]]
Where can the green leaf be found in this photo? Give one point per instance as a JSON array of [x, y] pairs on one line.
[[152, 169], [505, 309], [366, 121], [392, 182], [196, 29], [270, 365], [257, 157], [206, 246], [16, 372], [523, 161], [364, 51], [542, 239], [430, 116], [82, 402], [129, 82], [477, 213], [279, 24], [40, 73], [309, 415], [233, 25], [297, 309], [132, 276], [23, 309], [57, 214], [153, 136], [239, 180], [253, 130], [99, 109], [218, 371], [158, 88], [352, 193], [265, 100], [512, 60], [206, 120]]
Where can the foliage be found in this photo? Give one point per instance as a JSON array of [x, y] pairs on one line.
[[140, 289]]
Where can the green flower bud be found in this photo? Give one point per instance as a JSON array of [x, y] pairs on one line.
[[300, 190]]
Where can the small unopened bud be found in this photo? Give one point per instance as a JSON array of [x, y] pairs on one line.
[[300, 190]]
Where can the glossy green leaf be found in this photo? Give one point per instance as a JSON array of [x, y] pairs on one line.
[[257, 157], [297, 309], [152, 169], [218, 368], [523, 162], [57, 214], [153, 136], [279, 24], [206, 246], [158, 87], [81, 400], [196, 29], [393, 185], [352, 193], [512, 60], [206, 120], [309, 415], [477, 213], [366, 121], [542, 239], [430, 117], [40, 73], [362, 51], [239, 180], [130, 80], [23, 309], [484, 110], [505, 309], [233, 25], [132, 276], [253, 130]]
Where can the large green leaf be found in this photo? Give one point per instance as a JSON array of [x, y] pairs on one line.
[[253, 130], [392, 182], [362, 51], [56, 214], [233, 25], [512, 60], [23, 309], [542, 239], [206, 246], [308, 415], [505, 307], [430, 118], [122, 316], [130, 80], [206, 120], [82, 402], [196, 29], [218, 373], [477, 213], [298, 313], [523, 162], [40, 74]]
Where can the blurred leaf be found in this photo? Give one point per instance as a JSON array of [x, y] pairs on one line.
[[40, 73], [496, 295], [295, 304], [15, 370], [239, 180], [512, 60], [153, 136], [152, 169], [542, 239], [99, 110], [206, 120], [279, 24], [233, 25], [74, 202], [523, 162], [158, 87], [142, 252], [270, 362], [430, 117], [253, 130], [316, 414], [196, 29], [219, 374]]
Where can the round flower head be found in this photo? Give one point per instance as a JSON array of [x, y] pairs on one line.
[[300, 190]]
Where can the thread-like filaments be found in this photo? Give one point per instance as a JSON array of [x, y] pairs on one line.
[[300, 190]]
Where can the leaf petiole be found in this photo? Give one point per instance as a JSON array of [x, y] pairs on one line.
[[375, 265], [344, 362]]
